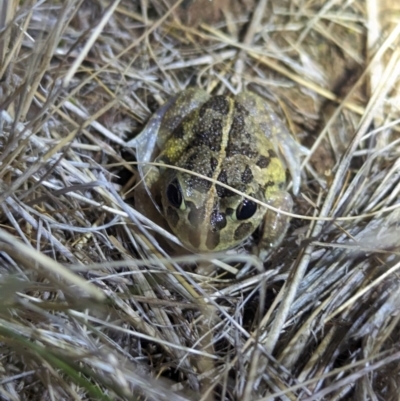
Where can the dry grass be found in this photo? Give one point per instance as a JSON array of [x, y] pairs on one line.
[[91, 307]]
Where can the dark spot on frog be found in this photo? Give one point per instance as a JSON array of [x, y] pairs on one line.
[[247, 150], [243, 231], [179, 131], [199, 184], [213, 239], [208, 133], [221, 191], [240, 139], [237, 127], [172, 216], [239, 108], [226, 193], [217, 221], [190, 162], [219, 104], [240, 148], [213, 164], [272, 153], [269, 184], [223, 176], [247, 135], [239, 134], [194, 238], [263, 161], [247, 175]]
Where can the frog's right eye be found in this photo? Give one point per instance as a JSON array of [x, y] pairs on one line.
[[246, 209], [174, 195]]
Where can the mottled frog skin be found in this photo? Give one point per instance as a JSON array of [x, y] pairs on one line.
[[236, 140]]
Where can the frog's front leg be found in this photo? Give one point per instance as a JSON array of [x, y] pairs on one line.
[[274, 225]]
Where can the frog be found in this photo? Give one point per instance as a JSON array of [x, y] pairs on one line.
[[197, 140]]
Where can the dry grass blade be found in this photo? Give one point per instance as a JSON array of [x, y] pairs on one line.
[[99, 302]]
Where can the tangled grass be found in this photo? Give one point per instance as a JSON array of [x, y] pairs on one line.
[[93, 307]]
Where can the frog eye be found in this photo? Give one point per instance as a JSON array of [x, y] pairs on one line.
[[174, 195], [246, 209]]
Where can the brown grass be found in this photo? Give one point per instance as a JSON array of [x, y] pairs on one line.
[[92, 307]]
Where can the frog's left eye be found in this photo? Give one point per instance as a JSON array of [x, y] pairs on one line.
[[246, 209], [174, 195]]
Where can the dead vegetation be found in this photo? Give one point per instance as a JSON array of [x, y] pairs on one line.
[[92, 307]]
